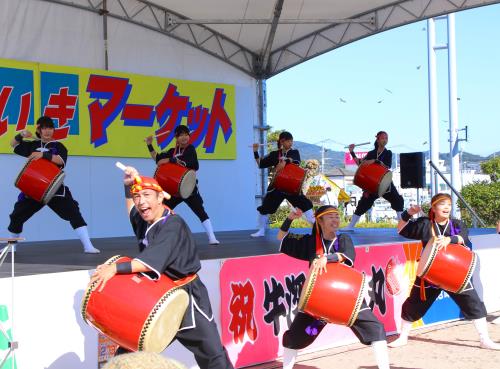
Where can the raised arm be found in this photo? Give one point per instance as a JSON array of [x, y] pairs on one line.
[[128, 180], [151, 149]]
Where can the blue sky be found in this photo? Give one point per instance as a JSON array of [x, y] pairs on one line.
[[306, 99]]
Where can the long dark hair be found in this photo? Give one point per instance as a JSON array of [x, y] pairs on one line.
[[378, 134], [283, 136]]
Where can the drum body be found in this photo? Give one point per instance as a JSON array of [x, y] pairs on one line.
[[374, 178], [138, 313], [177, 180], [40, 179], [335, 296], [290, 179], [449, 268]]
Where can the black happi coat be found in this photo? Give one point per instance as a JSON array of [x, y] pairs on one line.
[[167, 246], [303, 247]]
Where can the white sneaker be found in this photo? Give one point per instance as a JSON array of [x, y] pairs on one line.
[[92, 250], [401, 341], [259, 233], [489, 344]]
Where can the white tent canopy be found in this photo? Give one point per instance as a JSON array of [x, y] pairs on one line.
[[264, 38]]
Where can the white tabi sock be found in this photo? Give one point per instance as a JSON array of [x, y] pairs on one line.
[[482, 328], [309, 215], [381, 354], [262, 226], [83, 235], [354, 220], [289, 357], [403, 336], [207, 224]]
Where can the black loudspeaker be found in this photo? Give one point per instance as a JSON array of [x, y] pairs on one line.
[[412, 166]]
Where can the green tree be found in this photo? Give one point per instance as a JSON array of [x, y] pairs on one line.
[[484, 198], [492, 167]]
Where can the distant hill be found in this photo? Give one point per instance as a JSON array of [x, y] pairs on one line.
[[336, 158]]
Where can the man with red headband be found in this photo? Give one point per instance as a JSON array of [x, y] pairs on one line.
[[167, 246], [63, 204], [319, 248], [446, 230]]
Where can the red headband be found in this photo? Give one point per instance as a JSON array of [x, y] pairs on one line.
[[145, 183]]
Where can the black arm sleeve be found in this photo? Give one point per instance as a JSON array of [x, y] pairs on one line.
[[418, 229], [386, 158], [370, 155], [190, 157], [462, 231], [294, 155], [298, 246], [60, 149], [346, 247], [164, 155], [25, 148], [270, 160]]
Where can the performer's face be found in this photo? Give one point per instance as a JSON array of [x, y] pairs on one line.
[[46, 133], [329, 222], [182, 139], [149, 205], [442, 209], [286, 144], [382, 139]]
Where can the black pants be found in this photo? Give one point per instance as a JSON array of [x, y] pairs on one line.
[[194, 201], [367, 200], [468, 302], [305, 329], [204, 342], [274, 198], [65, 206]]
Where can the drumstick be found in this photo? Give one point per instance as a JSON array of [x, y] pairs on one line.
[[159, 135], [360, 144], [257, 144], [120, 165]]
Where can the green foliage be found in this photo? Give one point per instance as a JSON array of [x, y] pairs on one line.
[[272, 137], [484, 198], [492, 167], [276, 219]]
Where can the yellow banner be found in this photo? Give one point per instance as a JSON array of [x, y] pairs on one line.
[[102, 113]]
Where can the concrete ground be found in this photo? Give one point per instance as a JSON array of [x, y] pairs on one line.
[[452, 345]]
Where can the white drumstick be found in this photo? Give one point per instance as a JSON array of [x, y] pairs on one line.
[[123, 167], [257, 144], [360, 144], [162, 134], [120, 166]]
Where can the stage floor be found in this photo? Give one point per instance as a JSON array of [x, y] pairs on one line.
[[33, 258]]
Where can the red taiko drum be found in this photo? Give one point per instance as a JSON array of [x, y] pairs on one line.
[[335, 296], [290, 179], [449, 268], [135, 311], [374, 178], [177, 180], [40, 179]]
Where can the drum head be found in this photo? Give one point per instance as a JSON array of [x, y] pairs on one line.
[[385, 183], [164, 321], [187, 184], [427, 258], [53, 187]]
